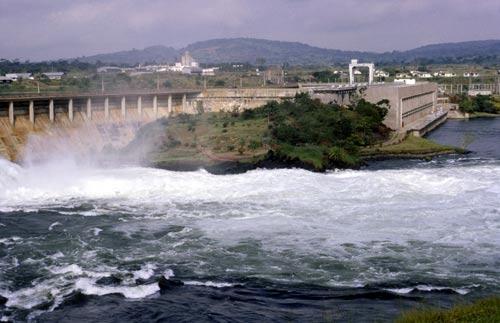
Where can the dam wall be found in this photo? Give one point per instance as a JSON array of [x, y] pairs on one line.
[[35, 125], [38, 125], [215, 100]]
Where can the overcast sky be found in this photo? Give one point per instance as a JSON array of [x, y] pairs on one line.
[[50, 29]]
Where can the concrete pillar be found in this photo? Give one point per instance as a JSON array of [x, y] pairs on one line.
[[170, 104], [11, 112], [106, 107], [51, 110], [371, 70], [70, 110], [184, 98], [32, 112], [124, 107], [139, 105], [351, 75], [155, 106], [400, 114], [89, 109]]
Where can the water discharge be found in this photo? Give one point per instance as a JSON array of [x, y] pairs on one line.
[[405, 232]]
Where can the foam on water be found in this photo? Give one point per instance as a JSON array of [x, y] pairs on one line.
[[88, 287], [434, 227]]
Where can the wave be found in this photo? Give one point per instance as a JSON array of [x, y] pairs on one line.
[[49, 185], [428, 288]]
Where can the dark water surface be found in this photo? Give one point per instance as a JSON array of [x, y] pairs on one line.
[[89, 245]]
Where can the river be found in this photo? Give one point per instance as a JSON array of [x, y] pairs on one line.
[[87, 244]]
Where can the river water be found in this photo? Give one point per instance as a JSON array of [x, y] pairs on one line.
[[86, 244]]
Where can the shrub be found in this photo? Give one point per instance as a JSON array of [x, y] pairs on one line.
[[254, 144]]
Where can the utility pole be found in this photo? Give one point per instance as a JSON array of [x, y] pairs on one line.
[[102, 84], [158, 81]]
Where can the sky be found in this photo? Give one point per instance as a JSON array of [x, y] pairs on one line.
[[53, 29]]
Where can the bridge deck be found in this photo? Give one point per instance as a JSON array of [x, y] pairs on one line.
[[58, 95]]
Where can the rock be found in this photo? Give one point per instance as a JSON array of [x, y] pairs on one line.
[[141, 281], [168, 284], [3, 300], [76, 298], [109, 280]]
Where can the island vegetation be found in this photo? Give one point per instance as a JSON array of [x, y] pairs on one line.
[[479, 105], [303, 132]]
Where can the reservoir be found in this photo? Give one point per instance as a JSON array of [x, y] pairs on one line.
[[82, 243]]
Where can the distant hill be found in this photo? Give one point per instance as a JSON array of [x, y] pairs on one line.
[[274, 52], [227, 50], [135, 56]]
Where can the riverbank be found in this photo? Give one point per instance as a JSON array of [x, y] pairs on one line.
[[237, 146], [410, 148], [485, 310], [302, 133]]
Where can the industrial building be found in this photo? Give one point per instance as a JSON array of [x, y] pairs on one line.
[[409, 103]]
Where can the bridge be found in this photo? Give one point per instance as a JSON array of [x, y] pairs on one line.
[[154, 104], [31, 105]]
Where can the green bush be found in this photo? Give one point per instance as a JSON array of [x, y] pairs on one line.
[[335, 132], [478, 103]]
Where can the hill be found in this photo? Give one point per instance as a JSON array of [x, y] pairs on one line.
[[135, 56], [227, 50]]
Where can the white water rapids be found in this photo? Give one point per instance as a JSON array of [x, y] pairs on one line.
[[344, 228]]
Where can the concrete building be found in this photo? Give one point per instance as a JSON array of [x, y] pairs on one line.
[[208, 71], [109, 69], [380, 73], [188, 60], [54, 75], [471, 74], [475, 92], [409, 103], [5, 80], [405, 81], [19, 76], [191, 70], [402, 75]]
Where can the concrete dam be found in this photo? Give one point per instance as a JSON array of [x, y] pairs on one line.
[[41, 124], [38, 124]]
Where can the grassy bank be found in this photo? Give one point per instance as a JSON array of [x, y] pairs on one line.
[[483, 115], [482, 311], [410, 147]]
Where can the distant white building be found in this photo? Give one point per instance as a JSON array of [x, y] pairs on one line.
[[380, 73], [402, 75], [479, 92], [191, 70], [109, 69], [177, 67], [424, 75], [54, 75], [5, 80], [471, 74], [19, 76], [188, 60], [188, 65], [209, 71], [406, 81]]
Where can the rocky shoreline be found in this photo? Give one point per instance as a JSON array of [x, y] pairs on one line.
[[271, 161]]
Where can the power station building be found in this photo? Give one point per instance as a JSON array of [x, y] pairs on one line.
[[409, 103]]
